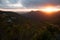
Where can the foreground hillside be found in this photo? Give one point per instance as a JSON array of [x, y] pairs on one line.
[[14, 26]]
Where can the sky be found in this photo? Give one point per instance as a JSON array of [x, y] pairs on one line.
[[22, 4]]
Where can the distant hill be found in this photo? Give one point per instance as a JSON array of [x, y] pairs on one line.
[[41, 16]]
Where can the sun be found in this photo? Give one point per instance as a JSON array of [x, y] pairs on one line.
[[50, 9]]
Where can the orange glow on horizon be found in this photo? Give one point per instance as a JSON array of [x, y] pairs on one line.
[[50, 9]]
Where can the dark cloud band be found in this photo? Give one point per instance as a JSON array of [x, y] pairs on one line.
[[37, 3]]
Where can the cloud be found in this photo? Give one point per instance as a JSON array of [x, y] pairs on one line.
[[26, 3], [10, 4], [15, 5], [38, 3], [13, 1]]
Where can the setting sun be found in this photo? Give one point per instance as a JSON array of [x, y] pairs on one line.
[[50, 9]]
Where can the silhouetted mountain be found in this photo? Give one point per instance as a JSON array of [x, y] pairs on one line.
[[35, 15], [41, 16]]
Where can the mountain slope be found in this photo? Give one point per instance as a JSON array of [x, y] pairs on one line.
[[14, 26]]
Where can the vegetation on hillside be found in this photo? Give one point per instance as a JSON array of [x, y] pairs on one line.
[[14, 26]]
